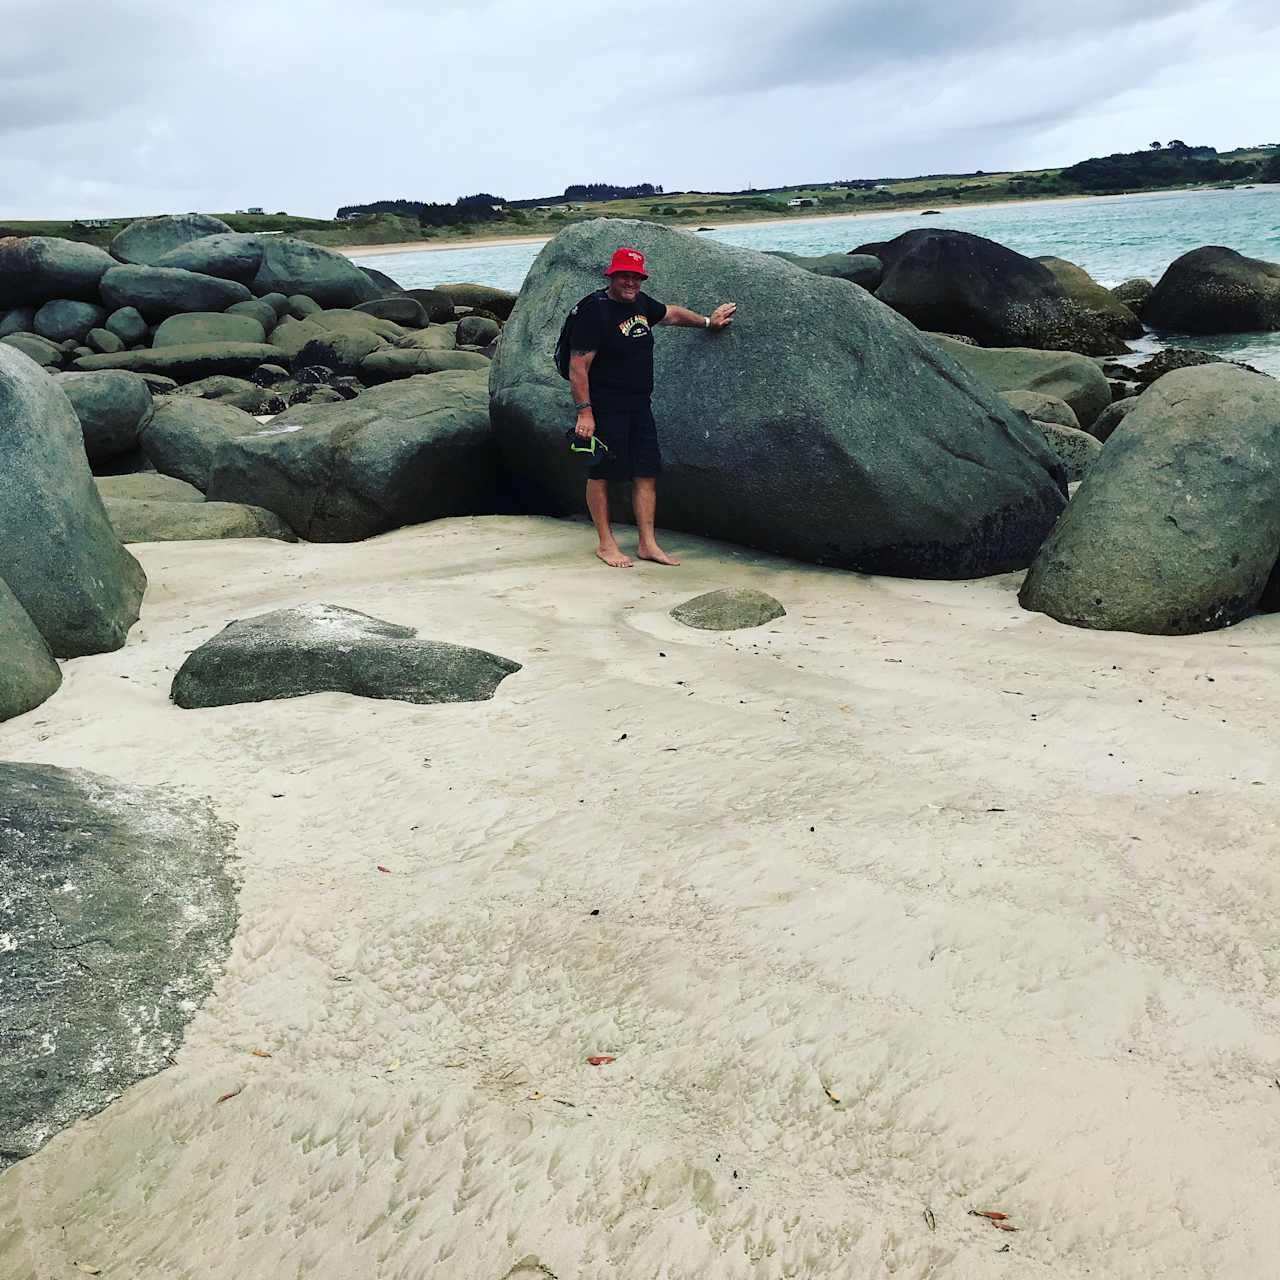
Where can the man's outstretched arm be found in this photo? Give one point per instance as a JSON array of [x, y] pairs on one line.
[[682, 318]]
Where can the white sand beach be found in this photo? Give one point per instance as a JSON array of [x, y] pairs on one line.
[[908, 904]]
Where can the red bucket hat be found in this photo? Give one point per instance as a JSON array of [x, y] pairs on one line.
[[627, 260]]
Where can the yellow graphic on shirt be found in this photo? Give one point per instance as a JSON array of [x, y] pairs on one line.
[[636, 327]]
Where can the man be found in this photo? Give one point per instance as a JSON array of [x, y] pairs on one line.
[[611, 375]]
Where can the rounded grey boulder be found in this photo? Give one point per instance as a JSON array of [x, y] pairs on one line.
[[290, 265], [208, 326], [62, 319], [103, 342], [399, 454], [1215, 290], [58, 551], [403, 310], [230, 256], [112, 406], [45, 353], [477, 331], [324, 648], [128, 325], [120, 912], [34, 269], [1177, 527], [730, 609], [260, 309], [29, 674], [158, 292], [147, 240]]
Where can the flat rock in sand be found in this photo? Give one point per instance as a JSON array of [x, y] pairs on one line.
[[117, 911], [325, 648], [730, 609]]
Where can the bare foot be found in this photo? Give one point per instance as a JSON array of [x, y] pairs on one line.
[[613, 557], [657, 555]]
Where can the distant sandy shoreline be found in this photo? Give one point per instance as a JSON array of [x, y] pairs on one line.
[[493, 242]]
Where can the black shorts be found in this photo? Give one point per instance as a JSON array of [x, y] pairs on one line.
[[632, 436]]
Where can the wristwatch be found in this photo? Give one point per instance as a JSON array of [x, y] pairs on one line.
[[706, 322], [584, 404]]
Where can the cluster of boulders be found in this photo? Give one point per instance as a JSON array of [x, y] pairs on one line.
[[185, 334], [917, 407]]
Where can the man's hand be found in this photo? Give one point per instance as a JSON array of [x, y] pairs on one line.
[[586, 424], [722, 316]]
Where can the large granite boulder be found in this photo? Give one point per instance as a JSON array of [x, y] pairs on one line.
[[400, 454], [159, 292], [156, 520], [58, 551], [34, 269], [1062, 374], [112, 407], [729, 609], [1177, 528], [145, 486], [229, 256], [821, 425], [61, 320], [190, 361], [147, 240], [185, 433], [29, 674], [1215, 290], [208, 326], [1111, 320], [955, 282], [482, 297], [387, 366], [119, 913], [324, 648], [292, 266], [858, 268]]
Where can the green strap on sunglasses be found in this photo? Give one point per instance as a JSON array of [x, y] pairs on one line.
[[590, 445]]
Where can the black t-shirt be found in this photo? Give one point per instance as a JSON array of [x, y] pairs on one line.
[[621, 335]]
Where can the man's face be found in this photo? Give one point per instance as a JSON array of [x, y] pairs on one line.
[[624, 285]]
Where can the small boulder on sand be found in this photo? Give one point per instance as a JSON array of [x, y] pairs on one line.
[[325, 648]]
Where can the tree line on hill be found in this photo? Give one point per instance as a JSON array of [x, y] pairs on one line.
[[1169, 164]]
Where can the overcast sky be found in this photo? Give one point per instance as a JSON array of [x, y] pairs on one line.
[[149, 106]]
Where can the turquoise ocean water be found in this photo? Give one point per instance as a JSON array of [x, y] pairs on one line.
[[1114, 238]]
